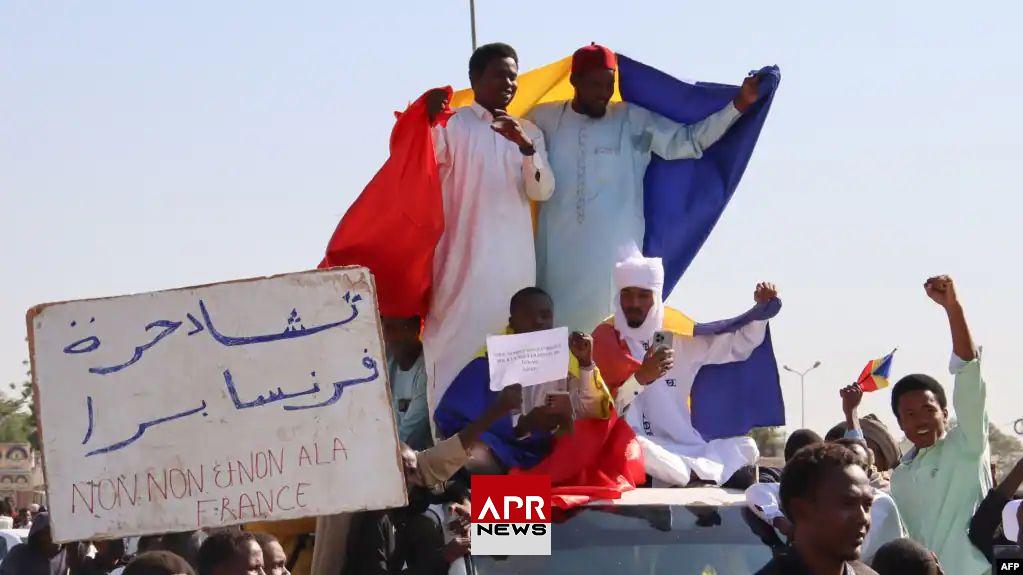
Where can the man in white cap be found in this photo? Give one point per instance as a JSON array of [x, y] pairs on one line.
[[999, 509], [650, 355]]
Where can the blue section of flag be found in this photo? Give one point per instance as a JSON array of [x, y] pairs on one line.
[[466, 400], [683, 200], [732, 398], [885, 368]]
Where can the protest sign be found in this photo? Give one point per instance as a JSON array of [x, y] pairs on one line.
[[527, 358], [258, 399]]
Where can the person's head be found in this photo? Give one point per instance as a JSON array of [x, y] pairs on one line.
[[799, 439], [40, 537], [593, 77], [531, 310], [493, 75], [884, 450], [827, 497], [6, 509], [905, 557], [158, 563], [640, 282], [184, 544], [859, 447], [275, 561], [1012, 518], [33, 508], [636, 304], [231, 553], [920, 408], [110, 551], [400, 332]]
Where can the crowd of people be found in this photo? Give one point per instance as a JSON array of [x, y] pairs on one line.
[[841, 502], [861, 501]]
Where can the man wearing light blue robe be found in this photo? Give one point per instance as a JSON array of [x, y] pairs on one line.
[[599, 152]]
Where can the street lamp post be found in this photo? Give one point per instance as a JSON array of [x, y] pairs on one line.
[[802, 387]]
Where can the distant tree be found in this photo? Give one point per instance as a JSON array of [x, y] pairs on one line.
[[1006, 450], [770, 440], [17, 418]]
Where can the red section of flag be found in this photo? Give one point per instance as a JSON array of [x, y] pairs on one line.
[[867, 375], [613, 357], [511, 499], [395, 223], [599, 459]]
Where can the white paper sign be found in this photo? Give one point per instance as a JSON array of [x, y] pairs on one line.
[[527, 358], [259, 399]]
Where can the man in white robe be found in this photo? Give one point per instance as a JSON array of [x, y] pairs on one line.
[[599, 153], [654, 381], [491, 165]]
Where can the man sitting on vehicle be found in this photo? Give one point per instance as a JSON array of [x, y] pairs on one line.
[[659, 377], [523, 443]]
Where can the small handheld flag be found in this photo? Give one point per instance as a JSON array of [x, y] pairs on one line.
[[875, 374]]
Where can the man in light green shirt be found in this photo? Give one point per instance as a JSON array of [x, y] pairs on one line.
[[943, 479]]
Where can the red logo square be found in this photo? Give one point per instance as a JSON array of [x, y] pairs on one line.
[[511, 499]]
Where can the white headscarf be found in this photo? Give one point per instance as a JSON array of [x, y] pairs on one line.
[[646, 273], [1010, 523]]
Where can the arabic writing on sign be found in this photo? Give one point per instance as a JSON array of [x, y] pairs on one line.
[[164, 328]]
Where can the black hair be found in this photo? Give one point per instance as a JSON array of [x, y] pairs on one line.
[[523, 294], [849, 443], [902, 557], [265, 539], [917, 382], [798, 439], [223, 547], [158, 563], [486, 54], [804, 473]]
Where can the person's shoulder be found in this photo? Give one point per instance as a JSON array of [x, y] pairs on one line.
[[606, 329], [543, 114], [861, 568]]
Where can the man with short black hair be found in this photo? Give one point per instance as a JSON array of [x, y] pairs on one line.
[[943, 479], [826, 496], [158, 563], [231, 553], [799, 439], [906, 557], [491, 166], [274, 559]]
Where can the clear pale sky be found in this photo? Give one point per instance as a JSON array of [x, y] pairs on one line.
[[146, 146]]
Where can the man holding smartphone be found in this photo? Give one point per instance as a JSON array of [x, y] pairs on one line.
[[650, 356]]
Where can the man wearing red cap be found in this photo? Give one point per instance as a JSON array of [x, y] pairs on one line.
[[599, 152]]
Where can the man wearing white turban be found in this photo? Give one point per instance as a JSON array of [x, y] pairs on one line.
[[654, 378]]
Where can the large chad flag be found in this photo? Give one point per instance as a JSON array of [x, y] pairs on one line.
[[394, 225]]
